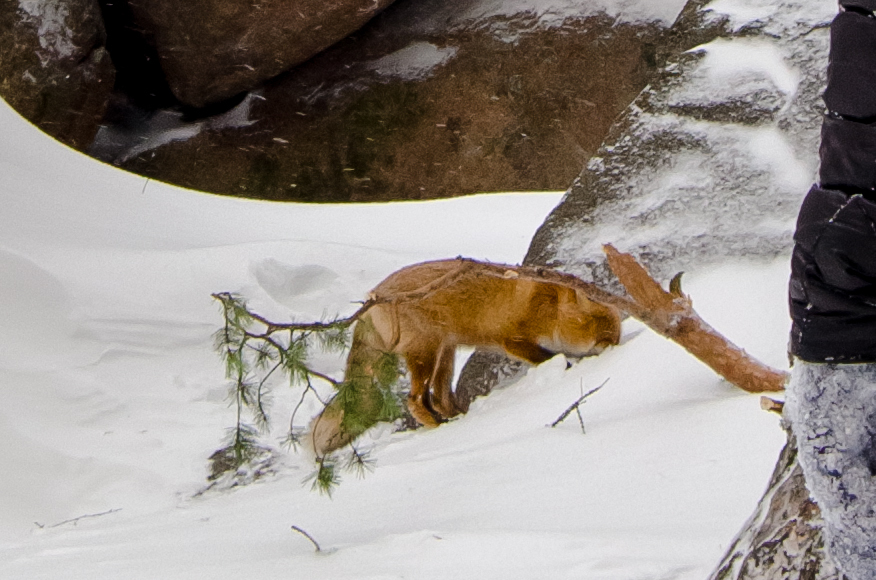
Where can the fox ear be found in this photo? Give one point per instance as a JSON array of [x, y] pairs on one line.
[[582, 298], [675, 285]]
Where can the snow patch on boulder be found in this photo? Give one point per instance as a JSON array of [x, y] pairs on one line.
[[50, 18], [414, 62], [555, 12], [730, 68], [713, 159]]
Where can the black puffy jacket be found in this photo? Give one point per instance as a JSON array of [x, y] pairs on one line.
[[833, 269]]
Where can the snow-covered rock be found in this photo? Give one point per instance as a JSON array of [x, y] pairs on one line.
[[714, 157]]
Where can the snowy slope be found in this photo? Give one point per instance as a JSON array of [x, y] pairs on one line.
[[113, 399]]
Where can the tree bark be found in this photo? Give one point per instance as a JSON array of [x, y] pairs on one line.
[[783, 538]]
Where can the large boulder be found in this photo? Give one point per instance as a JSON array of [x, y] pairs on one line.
[[711, 161], [211, 50], [54, 69], [710, 164], [432, 98], [723, 146]]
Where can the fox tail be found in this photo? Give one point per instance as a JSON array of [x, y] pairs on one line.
[[364, 398]]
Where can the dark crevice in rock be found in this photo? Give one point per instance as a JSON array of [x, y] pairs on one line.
[[138, 69]]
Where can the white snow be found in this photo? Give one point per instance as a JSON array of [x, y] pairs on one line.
[[413, 62], [735, 67], [113, 399], [50, 18], [555, 12], [746, 12], [507, 20]]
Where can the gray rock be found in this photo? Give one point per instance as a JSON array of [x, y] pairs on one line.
[[711, 163], [712, 160], [832, 413], [54, 69]]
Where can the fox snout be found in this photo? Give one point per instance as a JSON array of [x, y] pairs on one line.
[[596, 349]]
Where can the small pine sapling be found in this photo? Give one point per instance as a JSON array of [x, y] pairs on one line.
[[254, 349]]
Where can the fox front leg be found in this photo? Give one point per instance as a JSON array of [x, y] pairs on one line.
[[527, 350]]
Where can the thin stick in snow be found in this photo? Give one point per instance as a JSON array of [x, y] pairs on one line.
[[308, 536], [75, 521], [574, 407]]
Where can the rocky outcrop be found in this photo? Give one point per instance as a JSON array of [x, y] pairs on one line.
[[712, 163], [431, 99], [724, 143], [54, 69], [211, 50]]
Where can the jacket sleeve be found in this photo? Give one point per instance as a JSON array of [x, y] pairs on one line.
[[833, 270]]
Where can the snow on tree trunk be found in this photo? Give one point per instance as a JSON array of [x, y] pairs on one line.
[[782, 540]]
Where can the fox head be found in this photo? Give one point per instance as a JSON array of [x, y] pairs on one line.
[[587, 327]]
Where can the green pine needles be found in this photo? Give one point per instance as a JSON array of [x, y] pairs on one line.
[[255, 349]]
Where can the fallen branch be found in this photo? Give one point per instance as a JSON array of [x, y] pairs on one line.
[[669, 314], [672, 315]]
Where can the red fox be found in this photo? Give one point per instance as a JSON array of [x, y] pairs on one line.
[[424, 311]]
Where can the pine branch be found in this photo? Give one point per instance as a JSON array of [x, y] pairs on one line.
[[360, 462], [272, 327], [325, 479]]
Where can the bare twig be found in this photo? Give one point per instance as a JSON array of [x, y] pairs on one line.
[[308, 536], [574, 407], [292, 439], [75, 521], [768, 404], [326, 378]]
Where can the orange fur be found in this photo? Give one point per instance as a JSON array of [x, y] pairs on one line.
[[461, 302]]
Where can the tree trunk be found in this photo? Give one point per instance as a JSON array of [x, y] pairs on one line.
[[782, 540]]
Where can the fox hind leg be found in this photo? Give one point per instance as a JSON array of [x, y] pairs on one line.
[[441, 382], [422, 367]]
